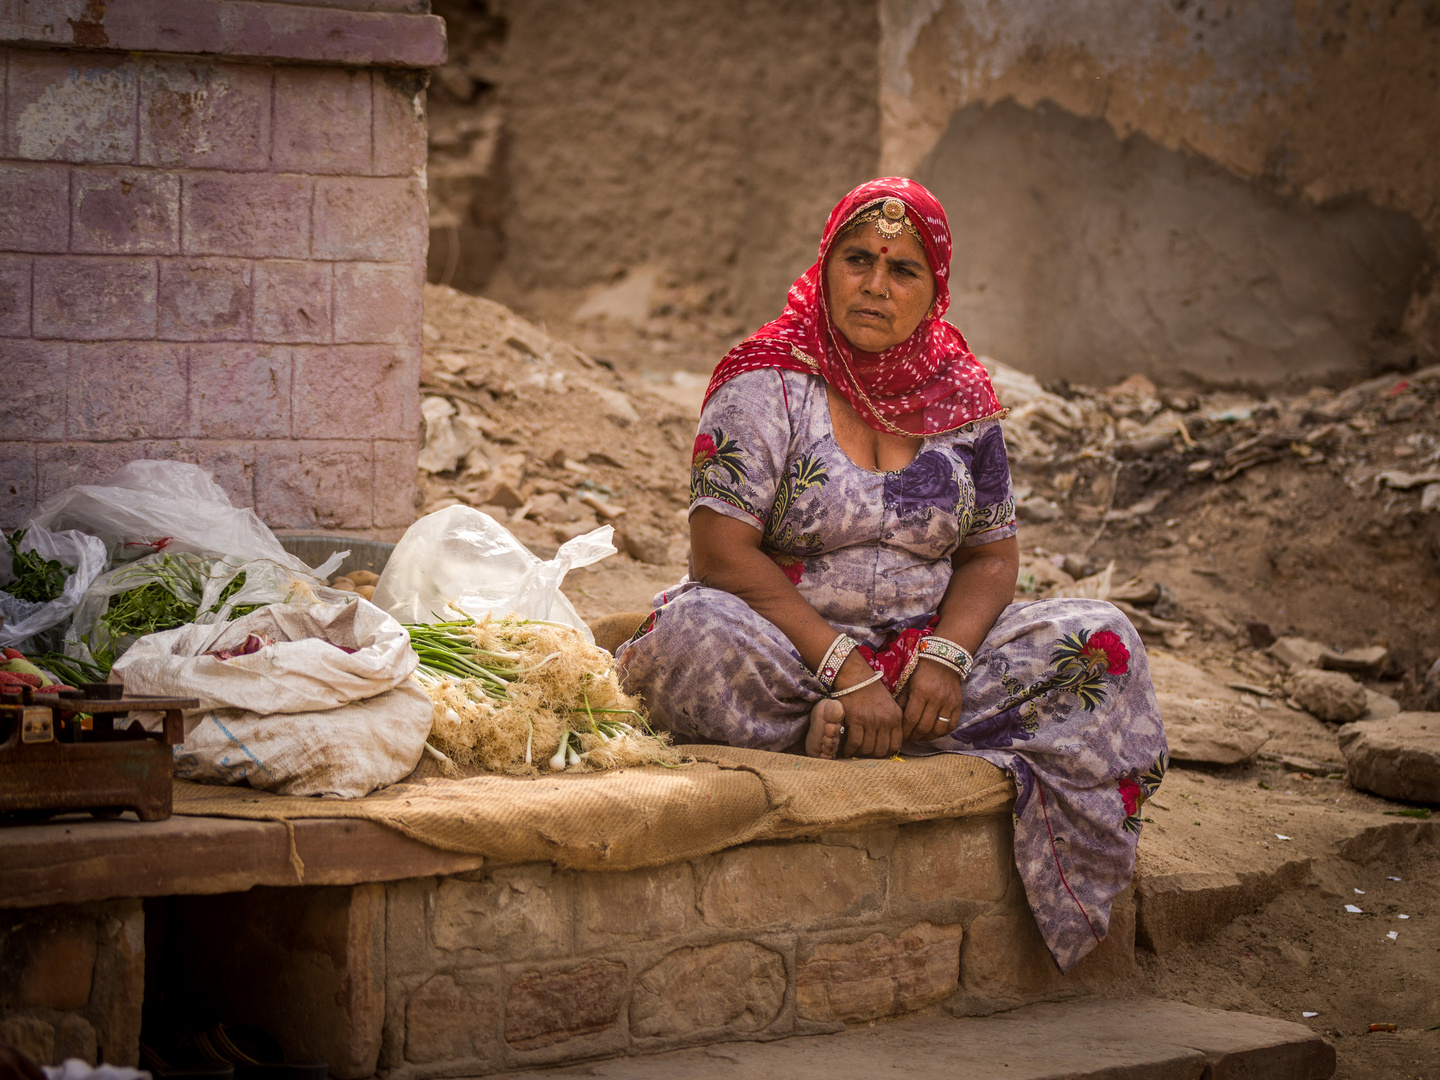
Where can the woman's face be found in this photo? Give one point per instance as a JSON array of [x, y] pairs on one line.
[[879, 289]]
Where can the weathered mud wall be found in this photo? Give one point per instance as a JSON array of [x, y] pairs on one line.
[[1256, 199], [711, 139]]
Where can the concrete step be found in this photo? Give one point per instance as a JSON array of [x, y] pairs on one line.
[[1074, 1040]]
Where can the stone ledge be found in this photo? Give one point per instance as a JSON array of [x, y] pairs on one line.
[[68, 862], [243, 29]]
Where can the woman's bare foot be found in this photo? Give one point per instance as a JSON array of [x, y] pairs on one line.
[[826, 719]]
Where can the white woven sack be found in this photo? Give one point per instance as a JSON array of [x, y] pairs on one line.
[[300, 716], [345, 752]]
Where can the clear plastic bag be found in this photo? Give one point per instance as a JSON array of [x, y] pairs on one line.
[[21, 620], [146, 507], [205, 590], [459, 562]]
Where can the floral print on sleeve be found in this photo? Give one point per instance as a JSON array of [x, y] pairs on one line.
[[739, 452], [994, 516]]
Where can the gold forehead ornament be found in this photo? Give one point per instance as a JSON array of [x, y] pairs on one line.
[[889, 218]]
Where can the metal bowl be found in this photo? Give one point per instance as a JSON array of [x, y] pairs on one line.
[[364, 554]]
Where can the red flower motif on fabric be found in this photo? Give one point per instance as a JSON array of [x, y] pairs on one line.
[[794, 569], [1130, 795], [703, 452], [1107, 643]]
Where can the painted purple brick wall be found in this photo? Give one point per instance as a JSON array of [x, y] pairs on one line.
[[217, 262]]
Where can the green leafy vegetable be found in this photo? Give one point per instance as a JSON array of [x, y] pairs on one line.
[[36, 579], [168, 595], [68, 669]]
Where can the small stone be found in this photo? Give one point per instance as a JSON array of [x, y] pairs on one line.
[[554, 508], [647, 546], [1037, 510], [601, 507], [1297, 652], [1430, 498], [502, 493], [1330, 695], [1381, 706], [1403, 408], [617, 406], [563, 534], [1078, 566], [1396, 758]]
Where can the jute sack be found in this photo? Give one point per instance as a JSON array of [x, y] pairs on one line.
[[324, 708]]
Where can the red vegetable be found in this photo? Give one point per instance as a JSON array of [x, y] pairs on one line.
[[19, 678], [14, 654]]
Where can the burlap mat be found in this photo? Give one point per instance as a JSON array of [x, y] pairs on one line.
[[650, 816]]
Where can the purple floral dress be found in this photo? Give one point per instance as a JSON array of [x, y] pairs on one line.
[[1060, 695]]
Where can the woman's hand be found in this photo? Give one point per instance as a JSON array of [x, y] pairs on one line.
[[931, 698], [873, 721]]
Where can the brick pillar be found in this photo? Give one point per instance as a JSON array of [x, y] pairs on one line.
[[216, 255]]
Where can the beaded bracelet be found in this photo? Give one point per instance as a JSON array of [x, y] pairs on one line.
[[858, 686], [951, 654], [834, 659]]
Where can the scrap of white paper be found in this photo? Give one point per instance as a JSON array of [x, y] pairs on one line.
[[1279, 837], [1392, 935], [1402, 916], [1359, 892], [1392, 879], [1353, 909], [1308, 1015]]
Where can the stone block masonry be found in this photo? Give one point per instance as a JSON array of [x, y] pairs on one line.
[[519, 966], [217, 256]]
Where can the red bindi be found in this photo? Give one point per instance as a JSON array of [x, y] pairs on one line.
[[884, 251]]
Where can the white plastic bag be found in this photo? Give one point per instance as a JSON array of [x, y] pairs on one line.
[[152, 506], [325, 708], [198, 581], [458, 561], [21, 620]]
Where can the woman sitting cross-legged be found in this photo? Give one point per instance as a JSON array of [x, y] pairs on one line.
[[853, 560]]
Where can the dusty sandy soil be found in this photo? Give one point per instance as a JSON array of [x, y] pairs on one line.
[[1307, 542]]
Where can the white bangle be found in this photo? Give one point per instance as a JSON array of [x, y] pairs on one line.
[[858, 686], [834, 659], [941, 660]]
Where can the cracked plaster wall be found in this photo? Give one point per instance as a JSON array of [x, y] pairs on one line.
[[1254, 200]]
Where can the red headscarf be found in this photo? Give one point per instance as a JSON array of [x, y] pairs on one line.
[[930, 380]]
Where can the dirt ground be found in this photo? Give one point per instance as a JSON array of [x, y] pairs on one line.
[[1299, 524]]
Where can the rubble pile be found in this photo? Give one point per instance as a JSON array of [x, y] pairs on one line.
[[545, 439], [1120, 453], [1316, 512]]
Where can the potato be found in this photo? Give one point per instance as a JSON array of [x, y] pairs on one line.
[[344, 584], [367, 591], [364, 577]]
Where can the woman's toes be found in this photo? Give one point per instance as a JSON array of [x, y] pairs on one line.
[[823, 739]]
